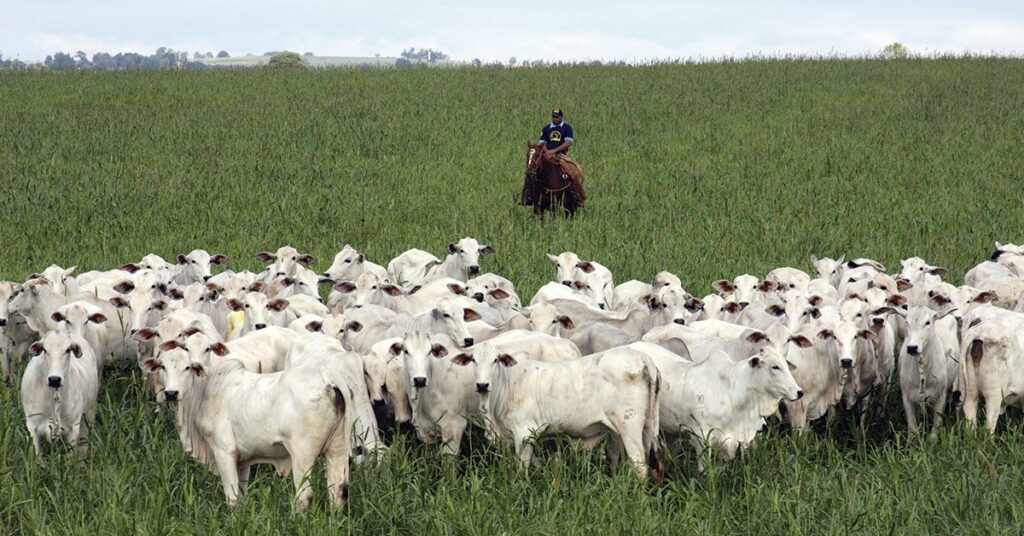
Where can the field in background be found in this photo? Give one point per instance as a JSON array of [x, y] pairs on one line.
[[706, 170], [312, 61]]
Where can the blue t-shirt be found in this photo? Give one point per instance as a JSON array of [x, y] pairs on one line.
[[554, 136]]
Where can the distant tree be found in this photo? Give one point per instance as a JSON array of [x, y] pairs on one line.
[[308, 55], [477, 62], [286, 60], [402, 62], [895, 51], [48, 61], [223, 54], [512, 60]]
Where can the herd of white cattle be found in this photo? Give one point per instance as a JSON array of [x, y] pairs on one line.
[[260, 369]]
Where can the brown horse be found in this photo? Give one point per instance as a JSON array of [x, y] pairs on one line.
[[546, 186]]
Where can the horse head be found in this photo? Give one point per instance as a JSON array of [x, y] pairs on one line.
[[533, 156]]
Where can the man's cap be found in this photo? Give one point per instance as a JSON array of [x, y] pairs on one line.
[[557, 111]]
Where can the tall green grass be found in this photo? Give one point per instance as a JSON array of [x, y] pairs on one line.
[[705, 170]]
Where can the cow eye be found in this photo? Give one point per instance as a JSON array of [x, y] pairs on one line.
[[374, 287], [446, 315], [928, 323], [247, 306], [791, 285], [883, 287], [294, 258], [348, 261], [201, 298], [859, 315], [776, 367], [193, 261]]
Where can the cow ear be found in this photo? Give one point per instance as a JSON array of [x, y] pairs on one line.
[[235, 305], [754, 362], [775, 310], [650, 300], [814, 259], [175, 294], [938, 270], [265, 256], [192, 330], [160, 305], [219, 258], [315, 325], [553, 258], [947, 313], [790, 364], [815, 313], [470, 315], [391, 290], [354, 326], [855, 296], [456, 288], [867, 334], [815, 300], [167, 346], [97, 318], [486, 250], [182, 259], [903, 285], [124, 287], [198, 369], [499, 294], [896, 300], [462, 359], [757, 336], [288, 281], [150, 366], [984, 297], [57, 317], [360, 258], [306, 259], [258, 286], [723, 286], [75, 350], [884, 311], [801, 341], [220, 349], [396, 349], [939, 300], [565, 321], [693, 305], [344, 287], [586, 266], [732, 307], [278, 304], [36, 348], [452, 249], [507, 360], [145, 334], [131, 268], [767, 286], [438, 350], [579, 285], [825, 334]]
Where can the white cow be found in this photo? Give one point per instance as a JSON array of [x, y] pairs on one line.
[[229, 419], [928, 365], [745, 289], [195, 266], [286, 262], [613, 394], [349, 264], [720, 403], [992, 362], [59, 390], [85, 321], [416, 267], [593, 277], [260, 312]]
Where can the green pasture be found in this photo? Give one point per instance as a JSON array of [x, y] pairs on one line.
[[708, 171]]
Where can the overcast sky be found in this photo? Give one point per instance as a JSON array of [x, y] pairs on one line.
[[628, 30]]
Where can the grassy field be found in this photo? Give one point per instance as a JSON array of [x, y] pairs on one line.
[[706, 170]]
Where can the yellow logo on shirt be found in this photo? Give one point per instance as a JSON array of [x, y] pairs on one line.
[[555, 135]]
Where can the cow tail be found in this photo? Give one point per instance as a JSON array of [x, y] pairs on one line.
[[339, 401], [651, 420]]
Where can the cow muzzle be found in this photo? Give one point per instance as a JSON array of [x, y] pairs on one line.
[[846, 363], [680, 321], [260, 326], [3, 322], [206, 278], [479, 296], [913, 350], [799, 395], [54, 382], [878, 321], [171, 396], [483, 388], [567, 283], [467, 342], [419, 382], [475, 269]]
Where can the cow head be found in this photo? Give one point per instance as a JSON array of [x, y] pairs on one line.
[[58, 349], [468, 252]]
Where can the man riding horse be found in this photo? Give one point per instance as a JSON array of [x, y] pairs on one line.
[[552, 178]]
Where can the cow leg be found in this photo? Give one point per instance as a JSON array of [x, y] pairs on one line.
[[302, 473], [635, 451], [37, 439], [336, 460], [5, 364], [227, 468], [937, 409], [452, 429], [80, 438], [613, 450], [910, 412], [993, 407], [797, 412], [970, 405], [523, 448], [243, 477]]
